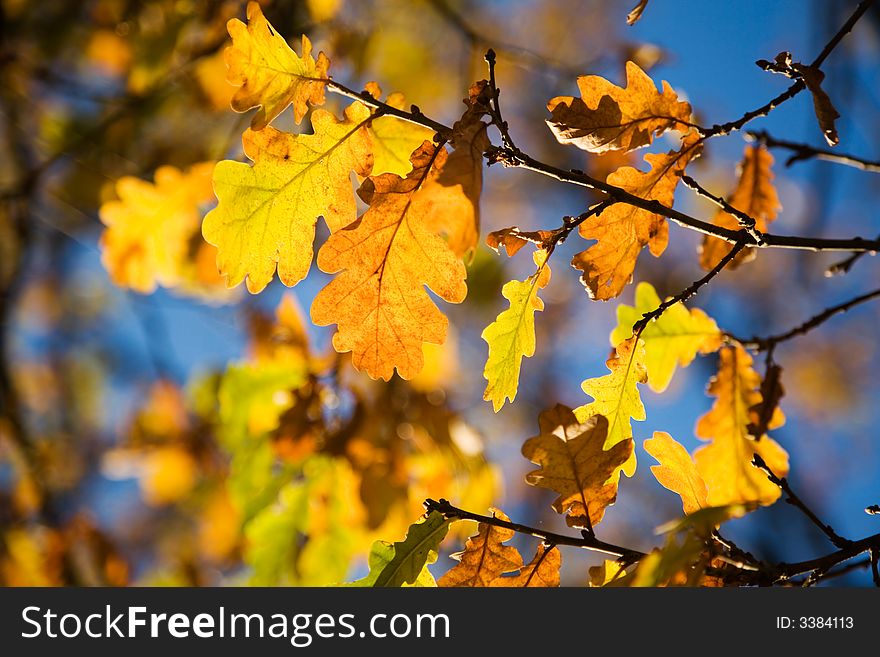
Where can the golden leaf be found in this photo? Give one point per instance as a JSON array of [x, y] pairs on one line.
[[575, 464], [756, 196], [622, 229], [394, 139], [485, 557], [677, 471], [378, 302], [726, 462], [607, 117], [616, 396], [268, 73], [267, 212], [541, 571]]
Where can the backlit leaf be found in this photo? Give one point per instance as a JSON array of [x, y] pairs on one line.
[[622, 229], [607, 117], [386, 259], [677, 471], [394, 139], [674, 338], [754, 195], [485, 558], [267, 211], [541, 572], [269, 74], [575, 464], [726, 462], [512, 335], [616, 396]]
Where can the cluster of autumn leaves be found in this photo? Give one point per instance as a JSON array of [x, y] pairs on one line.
[[420, 224]]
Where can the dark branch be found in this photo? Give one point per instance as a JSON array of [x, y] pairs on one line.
[[843, 267], [586, 542], [688, 292], [806, 152], [745, 221], [790, 497], [764, 344]]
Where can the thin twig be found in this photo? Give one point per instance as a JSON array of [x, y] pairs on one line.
[[745, 221], [875, 570], [763, 344], [794, 500], [586, 542], [806, 152], [497, 119], [843, 267], [688, 292]]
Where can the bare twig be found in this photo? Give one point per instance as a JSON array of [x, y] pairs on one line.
[[745, 221], [805, 152], [843, 267], [794, 500]]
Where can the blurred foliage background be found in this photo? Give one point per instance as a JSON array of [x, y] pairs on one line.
[[201, 436]]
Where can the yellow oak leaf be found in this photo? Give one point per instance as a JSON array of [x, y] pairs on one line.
[[674, 338], [457, 189], [267, 211], [378, 301], [151, 225], [622, 229], [575, 464], [607, 117], [677, 471], [616, 396], [542, 571], [485, 558], [609, 573], [394, 139], [269, 73], [754, 195], [512, 335], [726, 462]]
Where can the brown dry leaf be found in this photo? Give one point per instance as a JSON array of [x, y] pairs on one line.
[[636, 12], [457, 189], [726, 462], [756, 196], [485, 557], [379, 303], [826, 114], [677, 471], [622, 230], [513, 239], [541, 571], [607, 117], [268, 73], [575, 465]]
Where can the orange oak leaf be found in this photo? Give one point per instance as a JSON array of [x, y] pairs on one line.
[[485, 558], [267, 212], [378, 302], [677, 471], [269, 73], [725, 464], [541, 571], [575, 464], [607, 117], [460, 182], [151, 226], [622, 230], [513, 239], [754, 195]]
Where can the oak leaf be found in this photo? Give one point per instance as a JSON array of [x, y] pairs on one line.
[[616, 396], [269, 74], [394, 139], [826, 114], [512, 335], [754, 195], [677, 471], [726, 462], [575, 464], [485, 558], [405, 562], [609, 573], [542, 571], [151, 226], [513, 239], [674, 338], [267, 211], [622, 229], [607, 117], [378, 302]]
